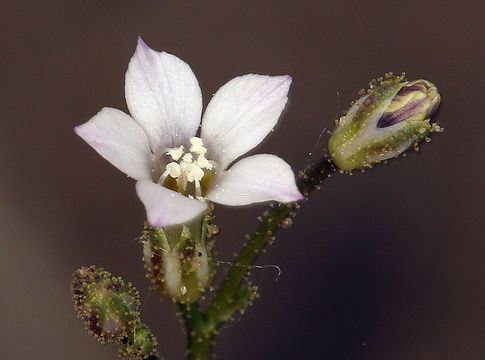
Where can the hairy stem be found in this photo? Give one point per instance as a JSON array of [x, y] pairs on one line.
[[231, 297], [200, 333]]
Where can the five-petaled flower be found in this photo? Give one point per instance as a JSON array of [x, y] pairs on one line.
[[176, 171]]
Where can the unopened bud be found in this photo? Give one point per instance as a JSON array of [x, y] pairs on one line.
[[108, 306], [139, 343], [392, 116], [178, 259], [110, 311]]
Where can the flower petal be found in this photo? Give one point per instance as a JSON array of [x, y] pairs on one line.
[[163, 96], [166, 207], [241, 114], [120, 140], [254, 179]]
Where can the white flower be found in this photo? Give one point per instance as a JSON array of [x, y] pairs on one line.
[[176, 171]]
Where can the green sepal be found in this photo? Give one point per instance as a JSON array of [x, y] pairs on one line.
[[179, 259]]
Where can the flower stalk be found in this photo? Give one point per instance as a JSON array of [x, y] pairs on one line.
[[231, 297], [200, 332]]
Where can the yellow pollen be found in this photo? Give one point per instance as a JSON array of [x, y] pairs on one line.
[[176, 153], [174, 169], [197, 146], [187, 158], [189, 167], [204, 163], [195, 173]]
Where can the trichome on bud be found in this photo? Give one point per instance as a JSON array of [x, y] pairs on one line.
[[110, 311], [387, 120]]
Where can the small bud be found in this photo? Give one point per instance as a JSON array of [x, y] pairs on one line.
[[394, 115], [178, 259], [107, 305], [139, 343], [110, 310]]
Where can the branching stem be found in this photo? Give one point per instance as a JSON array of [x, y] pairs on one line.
[[202, 327]]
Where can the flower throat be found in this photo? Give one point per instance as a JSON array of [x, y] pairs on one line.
[[189, 173]]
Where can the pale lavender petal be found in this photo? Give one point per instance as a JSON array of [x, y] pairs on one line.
[[241, 114], [163, 96], [165, 207], [120, 140], [257, 178]]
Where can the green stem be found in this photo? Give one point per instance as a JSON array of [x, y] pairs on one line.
[[200, 332], [231, 297], [223, 304]]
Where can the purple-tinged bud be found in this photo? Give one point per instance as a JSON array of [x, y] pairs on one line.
[[178, 259], [392, 116], [110, 311], [108, 306]]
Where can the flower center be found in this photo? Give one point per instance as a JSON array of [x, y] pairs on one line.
[[188, 173]]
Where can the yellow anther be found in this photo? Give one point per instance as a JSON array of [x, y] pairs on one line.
[[195, 173], [197, 146], [203, 162], [176, 153], [174, 169]]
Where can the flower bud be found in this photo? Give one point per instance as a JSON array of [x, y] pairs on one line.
[[107, 305], [393, 115], [110, 310], [178, 259], [139, 343]]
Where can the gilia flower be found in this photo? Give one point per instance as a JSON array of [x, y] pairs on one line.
[[177, 171]]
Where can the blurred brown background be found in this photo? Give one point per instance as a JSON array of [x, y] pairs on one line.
[[385, 265]]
